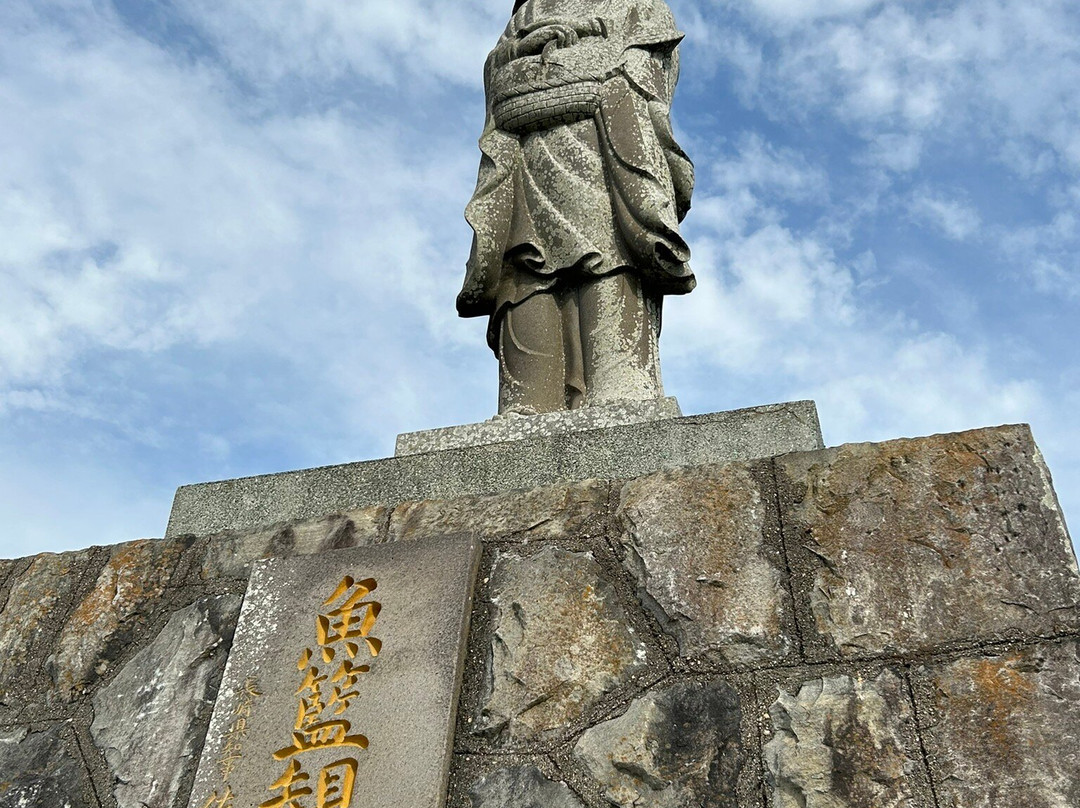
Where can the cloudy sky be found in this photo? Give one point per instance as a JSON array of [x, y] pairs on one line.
[[231, 233]]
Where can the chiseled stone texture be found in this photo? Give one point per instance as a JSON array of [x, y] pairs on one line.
[[841, 742], [560, 643], [35, 603], [231, 554], [521, 787], [504, 428], [38, 771], [912, 545], [704, 546], [553, 512], [1004, 731], [103, 624], [616, 453], [7, 567], [400, 693], [151, 719], [678, 747]]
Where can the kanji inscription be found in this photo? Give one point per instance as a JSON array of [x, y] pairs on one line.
[[341, 687]]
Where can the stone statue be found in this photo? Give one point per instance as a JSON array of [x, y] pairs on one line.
[[577, 207]]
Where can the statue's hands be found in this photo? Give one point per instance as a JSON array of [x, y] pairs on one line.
[[545, 36]]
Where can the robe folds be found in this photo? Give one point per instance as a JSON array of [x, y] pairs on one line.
[[566, 201]]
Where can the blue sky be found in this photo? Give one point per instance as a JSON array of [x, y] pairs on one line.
[[231, 233]]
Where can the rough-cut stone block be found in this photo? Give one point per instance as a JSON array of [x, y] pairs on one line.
[[37, 770], [611, 454], [150, 720], [1004, 731], [504, 428], [521, 787], [103, 624], [7, 567], [553, 512], [343, 679], [705, 548], [230, 555], [678, 747], [911, 545], [37, 602], [560, 643], [841, 742]]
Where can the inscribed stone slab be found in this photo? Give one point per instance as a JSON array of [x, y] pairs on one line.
[[342, 685]]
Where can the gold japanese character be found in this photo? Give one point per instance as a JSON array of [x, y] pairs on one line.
[[249, 690], [228, 765], [336, 784], [291, 788], [326, 735], [351, 621], [223, 801]]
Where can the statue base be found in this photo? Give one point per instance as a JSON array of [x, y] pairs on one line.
[[537, 458], [505, 428]]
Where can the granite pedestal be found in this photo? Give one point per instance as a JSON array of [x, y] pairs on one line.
[[614, 452]]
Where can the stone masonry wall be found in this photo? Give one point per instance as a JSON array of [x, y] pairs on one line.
[[891, 624]]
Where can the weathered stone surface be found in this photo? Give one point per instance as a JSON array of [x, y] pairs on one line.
[[558, 191], [678, 747], [38, 771], [560, 643], [616, 453], [103, 624], [7, 567], [841, 742], [230, 555], [704, 546], [542, 513], [911, 545], [150, 720], [1004, 731], [519, 427], [521, 787], [345, 670], [34, 608]]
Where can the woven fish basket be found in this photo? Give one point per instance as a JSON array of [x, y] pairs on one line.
[[547, 107]]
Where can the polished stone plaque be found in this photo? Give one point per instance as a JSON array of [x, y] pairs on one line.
[[341, 687]]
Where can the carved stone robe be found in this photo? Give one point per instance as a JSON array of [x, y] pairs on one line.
[[580, 174]]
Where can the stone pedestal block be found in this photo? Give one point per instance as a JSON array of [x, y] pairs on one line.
[[560, 642], [677, 747], [915, 545], [38, 769], [704, 546], [149, 722], [618, 452], [508, 428], [845, 742], [892, 625], [1003, 731], [104, 622], [36, 604], [521, 787]]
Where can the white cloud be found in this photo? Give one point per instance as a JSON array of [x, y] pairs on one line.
[[1050, 252], [1010, 64], [406, 40], [801, 10], [984, 81], [777, 310], [954, 218], [228, 254], [761, 167], [149, 209]]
